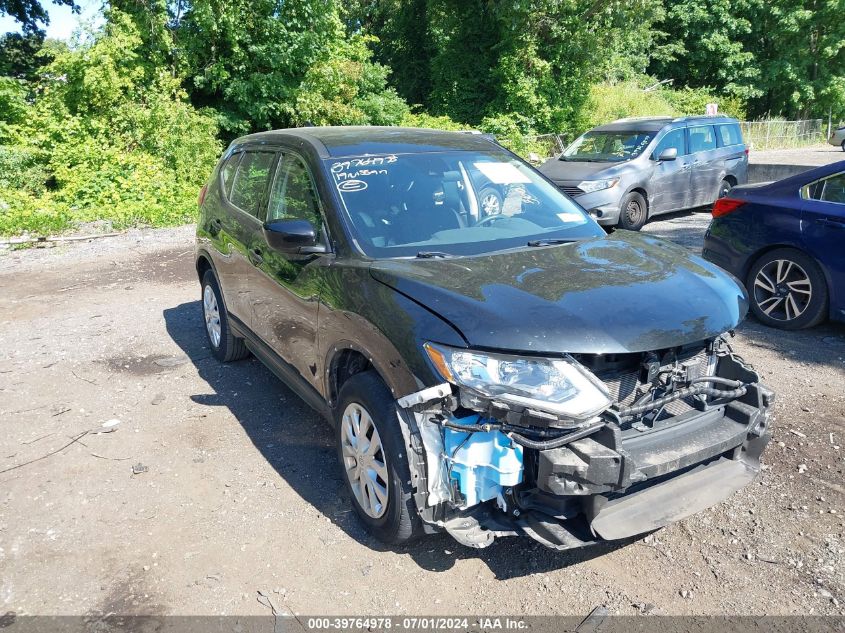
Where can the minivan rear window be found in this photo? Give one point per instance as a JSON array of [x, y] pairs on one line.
[[729, 134]]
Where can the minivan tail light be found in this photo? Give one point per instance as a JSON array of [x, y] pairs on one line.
[[724, 206], [201, 197], [747, 150]]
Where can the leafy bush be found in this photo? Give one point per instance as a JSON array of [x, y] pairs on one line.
[[692, 101], [608, 102], [107, 138]]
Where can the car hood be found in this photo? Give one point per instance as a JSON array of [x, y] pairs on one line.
[[622, 293], [571, 171]]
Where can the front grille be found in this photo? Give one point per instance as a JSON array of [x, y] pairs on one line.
[[625, 387], [571, 190]]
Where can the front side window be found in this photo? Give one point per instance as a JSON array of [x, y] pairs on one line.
[[701, 139], [675, 139], [830, 189], [607, 147], [401, 205], [729, 134], [293, 196], [251, 181]]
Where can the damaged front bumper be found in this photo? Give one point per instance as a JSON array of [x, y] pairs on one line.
[[491, 470]]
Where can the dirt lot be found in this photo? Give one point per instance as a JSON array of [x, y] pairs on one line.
[[235, 488]]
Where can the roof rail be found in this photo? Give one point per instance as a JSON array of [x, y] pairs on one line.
[[643, 118]]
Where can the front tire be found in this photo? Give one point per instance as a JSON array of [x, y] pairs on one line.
[[372, 456], [225, 346], [787, 290], [633, 212]]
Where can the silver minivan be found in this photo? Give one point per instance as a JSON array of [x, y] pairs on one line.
[[630, 170]]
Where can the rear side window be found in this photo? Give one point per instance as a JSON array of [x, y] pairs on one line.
[[675, 139], [831, 189], [702, 138], [227, 173], [729, 134], [251, 181]]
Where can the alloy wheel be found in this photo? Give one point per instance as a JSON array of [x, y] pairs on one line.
[[782, 290], [211, 311], [364, 460]]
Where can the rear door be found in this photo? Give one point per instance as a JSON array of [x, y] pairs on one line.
[[706, 164], [240, 228], [670, 181], [286, 289], [823, 231], [732, 152]]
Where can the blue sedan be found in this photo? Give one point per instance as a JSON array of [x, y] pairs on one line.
[[786, 241]]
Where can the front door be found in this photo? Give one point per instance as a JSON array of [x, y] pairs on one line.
[[823, 230], [670, 182], [286, 291]]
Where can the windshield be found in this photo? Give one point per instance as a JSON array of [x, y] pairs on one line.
[[607, 147], [452, 203]]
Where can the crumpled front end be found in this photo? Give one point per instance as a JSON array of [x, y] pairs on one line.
[[685, 430]]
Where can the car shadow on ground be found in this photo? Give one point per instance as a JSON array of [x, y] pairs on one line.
[[299, 445]]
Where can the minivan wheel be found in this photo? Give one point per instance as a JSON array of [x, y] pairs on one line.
[[491, 202], [224, 345], [633, 212], [787, 290], [724, 188], [372, 455], [843, 146]]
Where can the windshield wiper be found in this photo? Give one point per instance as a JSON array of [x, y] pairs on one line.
[[552, 242], [433, 254]]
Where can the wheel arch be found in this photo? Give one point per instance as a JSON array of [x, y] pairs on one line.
[[203, 264], [347, 358]]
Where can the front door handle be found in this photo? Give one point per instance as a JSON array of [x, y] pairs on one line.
[[832, 222], [255, 256]]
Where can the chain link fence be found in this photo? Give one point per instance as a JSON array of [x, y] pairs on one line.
[[771, 134], [778, 134]]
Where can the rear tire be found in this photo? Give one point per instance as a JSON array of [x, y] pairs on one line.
[[787, 290], [724, 188], [378, 480], [633, 212], [843, 146], [225, 346]]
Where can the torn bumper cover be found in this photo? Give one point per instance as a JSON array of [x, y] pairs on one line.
[[660, 453]]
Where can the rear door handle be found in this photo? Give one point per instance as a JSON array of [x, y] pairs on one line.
[[255, 256], [832, 222]]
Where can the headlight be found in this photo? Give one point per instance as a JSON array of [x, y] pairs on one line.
[[557, 385], [589, 186]]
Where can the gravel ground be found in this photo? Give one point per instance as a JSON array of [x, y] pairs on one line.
[[218, 483]]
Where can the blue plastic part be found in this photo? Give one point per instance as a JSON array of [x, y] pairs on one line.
[[482, 463]]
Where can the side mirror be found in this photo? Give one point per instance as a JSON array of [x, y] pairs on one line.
[[292, 236], [670, 153]]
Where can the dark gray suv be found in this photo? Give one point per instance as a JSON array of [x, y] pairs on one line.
[[630, 170]]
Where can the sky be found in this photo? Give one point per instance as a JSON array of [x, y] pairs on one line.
[[62, 21]]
